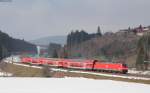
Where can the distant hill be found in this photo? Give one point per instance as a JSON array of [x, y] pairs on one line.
[[9, 45], [50, 39]]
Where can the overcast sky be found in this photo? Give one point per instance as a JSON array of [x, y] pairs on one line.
[[32, 19]]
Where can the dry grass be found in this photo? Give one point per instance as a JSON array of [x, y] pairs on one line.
[[21, 71], [85, 75]]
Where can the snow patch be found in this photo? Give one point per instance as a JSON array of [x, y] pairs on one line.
[[139, 72], [14, 58], [110, 75], [20, 64], [63, 70], [5, 74]]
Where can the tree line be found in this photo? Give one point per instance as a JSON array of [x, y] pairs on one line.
[[74, 38], [77, 37], [9, 45], [143, 51]]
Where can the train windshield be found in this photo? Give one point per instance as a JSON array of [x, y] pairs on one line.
[[124, 65]]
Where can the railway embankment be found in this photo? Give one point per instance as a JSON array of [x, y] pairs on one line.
[[23, 70]]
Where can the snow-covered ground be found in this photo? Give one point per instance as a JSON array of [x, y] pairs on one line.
[[14, 58], [27, 65], [111, 75], [139, 72], [5, 74], [68, 85]]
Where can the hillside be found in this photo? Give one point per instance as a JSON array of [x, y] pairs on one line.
[[9, 45], [50, 39], [110, 46], [106, 45]]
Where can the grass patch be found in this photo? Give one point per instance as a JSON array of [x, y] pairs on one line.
[[22, 71]]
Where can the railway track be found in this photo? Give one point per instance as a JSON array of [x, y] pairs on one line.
[[107, 74]]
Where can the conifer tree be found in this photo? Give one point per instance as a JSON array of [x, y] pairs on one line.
[[143, 52], [99, 31], [55, 54]]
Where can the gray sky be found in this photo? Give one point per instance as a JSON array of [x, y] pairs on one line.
[[31, 19]]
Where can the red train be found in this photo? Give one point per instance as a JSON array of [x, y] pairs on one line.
[[78, 64]]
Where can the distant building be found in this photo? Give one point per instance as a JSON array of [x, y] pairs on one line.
[[140, 31]]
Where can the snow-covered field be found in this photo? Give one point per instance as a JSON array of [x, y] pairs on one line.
[[68, 85]]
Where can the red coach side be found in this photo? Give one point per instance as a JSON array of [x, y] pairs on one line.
[[110, 67], [78, 63], [26, 60], [54, 62]]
